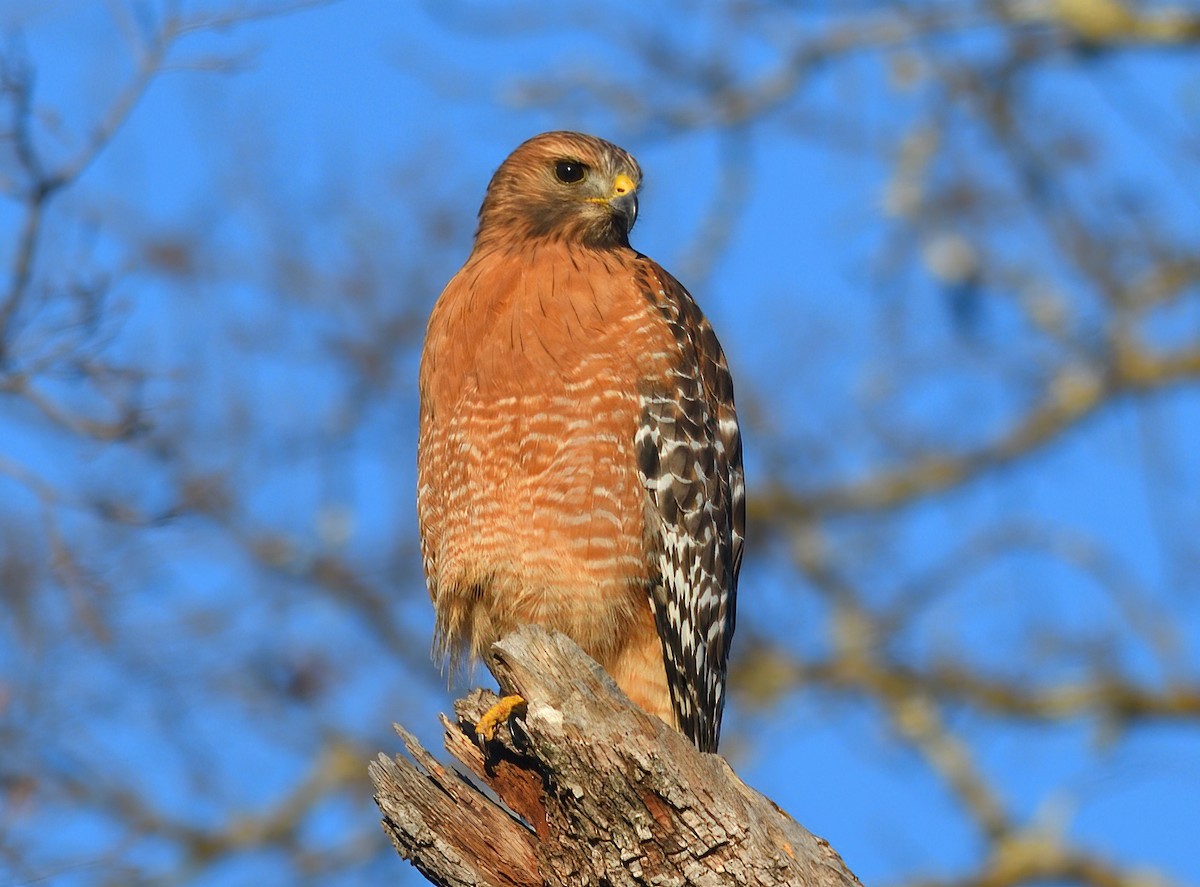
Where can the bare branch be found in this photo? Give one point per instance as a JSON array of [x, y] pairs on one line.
[[1111, 699], [1070, 399]]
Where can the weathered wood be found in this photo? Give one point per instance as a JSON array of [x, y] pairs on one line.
[[596, 792]]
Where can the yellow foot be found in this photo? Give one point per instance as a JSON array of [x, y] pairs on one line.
[[497, 715]]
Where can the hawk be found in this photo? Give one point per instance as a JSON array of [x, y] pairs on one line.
[[579, 461]]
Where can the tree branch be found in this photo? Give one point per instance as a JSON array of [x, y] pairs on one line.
[[602, 793], [1069, 400]]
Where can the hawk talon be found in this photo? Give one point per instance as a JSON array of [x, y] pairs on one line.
[[499, 714]]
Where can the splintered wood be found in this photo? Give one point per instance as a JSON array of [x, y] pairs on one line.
[[591, 791]]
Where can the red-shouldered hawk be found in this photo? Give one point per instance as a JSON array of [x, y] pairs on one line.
[[580, 463]]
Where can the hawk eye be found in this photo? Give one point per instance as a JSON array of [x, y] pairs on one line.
[[569, 171]]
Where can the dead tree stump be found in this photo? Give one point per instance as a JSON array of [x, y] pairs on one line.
[[593, 790]]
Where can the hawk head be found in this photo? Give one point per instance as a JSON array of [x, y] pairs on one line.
[[563, 186]]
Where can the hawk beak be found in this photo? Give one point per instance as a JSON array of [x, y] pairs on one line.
[[624, 199]]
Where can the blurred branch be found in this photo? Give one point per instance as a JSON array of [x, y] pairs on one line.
[[1138, 610], [1036, 858], [336, 578], [1072, 397], [281, 824], [1110, 23], [719, 223], [1111, 700], [918, 719], [603, 793], [120, 428], [718, 100], [41, 183]]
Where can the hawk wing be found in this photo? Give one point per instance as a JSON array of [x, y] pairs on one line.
[[689, 454]]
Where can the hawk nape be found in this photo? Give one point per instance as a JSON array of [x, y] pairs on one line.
[[580, 463]]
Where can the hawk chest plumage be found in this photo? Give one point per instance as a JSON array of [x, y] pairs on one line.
[[532, 396]]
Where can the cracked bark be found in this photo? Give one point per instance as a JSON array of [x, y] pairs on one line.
[[593, 790]]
